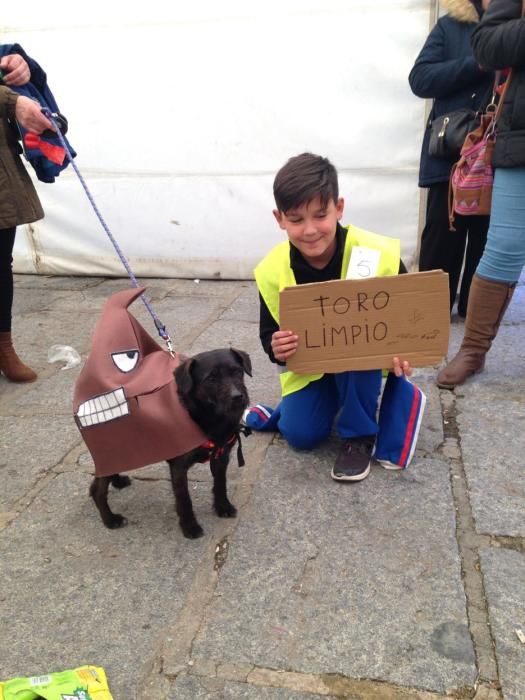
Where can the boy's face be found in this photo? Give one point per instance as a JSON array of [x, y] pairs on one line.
[[311, 228]]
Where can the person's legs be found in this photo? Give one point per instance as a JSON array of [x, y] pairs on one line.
[[477, 237], [442, 249], [495, 278], [10, 364], [307, 415], [358, 397], [504, 255], [7, 241]]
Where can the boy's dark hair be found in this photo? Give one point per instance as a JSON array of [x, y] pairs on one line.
[[304, 178]]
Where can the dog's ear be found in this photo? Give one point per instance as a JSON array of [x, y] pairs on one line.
[[184, 377], [243, 359]]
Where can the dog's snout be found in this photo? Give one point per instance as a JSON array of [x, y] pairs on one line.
[[235, 393]]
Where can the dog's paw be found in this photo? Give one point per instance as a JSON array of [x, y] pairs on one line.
[[120, 482], [116, 521], [226, 510], [192, 530]]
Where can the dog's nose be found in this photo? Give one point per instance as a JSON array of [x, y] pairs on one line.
[[235, 393]]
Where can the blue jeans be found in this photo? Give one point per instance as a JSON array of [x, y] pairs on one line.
[[504, 255], [307, 416]]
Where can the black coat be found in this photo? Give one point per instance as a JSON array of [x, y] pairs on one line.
[[447, 71], [499, 42]]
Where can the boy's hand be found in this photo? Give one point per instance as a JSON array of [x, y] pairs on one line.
[[401, 368], [284, 344]]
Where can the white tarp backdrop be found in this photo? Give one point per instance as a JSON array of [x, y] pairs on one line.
[[181, 115]]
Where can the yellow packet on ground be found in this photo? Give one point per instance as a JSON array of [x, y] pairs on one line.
[[83, 683]]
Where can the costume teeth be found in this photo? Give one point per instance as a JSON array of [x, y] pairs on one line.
[[103, 408]]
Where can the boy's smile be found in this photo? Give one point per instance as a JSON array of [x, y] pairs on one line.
[[311, 228]]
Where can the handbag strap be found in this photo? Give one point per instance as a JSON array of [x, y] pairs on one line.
[[496, 108], [502, 96]]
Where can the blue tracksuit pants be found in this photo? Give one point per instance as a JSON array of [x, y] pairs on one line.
[[307, 416]]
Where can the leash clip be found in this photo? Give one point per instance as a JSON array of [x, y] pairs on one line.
[[164, 334], [170, 346]]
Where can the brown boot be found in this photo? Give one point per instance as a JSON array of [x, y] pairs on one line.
[[487, 304], [11, 366]]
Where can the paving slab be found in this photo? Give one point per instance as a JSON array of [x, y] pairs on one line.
[[41, 330], [493, 447], [362, 580], [504, 576], [29, 447], [245, 307], [51, 395], [194, 688], [74, 592], [47, 282]]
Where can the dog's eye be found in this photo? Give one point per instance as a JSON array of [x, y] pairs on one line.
[[125, 361]]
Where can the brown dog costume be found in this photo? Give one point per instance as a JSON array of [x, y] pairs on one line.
[[125, 403]]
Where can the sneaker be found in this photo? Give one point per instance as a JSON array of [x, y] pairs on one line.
[[386, 464], [353, 460]]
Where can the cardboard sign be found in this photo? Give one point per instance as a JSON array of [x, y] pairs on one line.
[[362, 324]]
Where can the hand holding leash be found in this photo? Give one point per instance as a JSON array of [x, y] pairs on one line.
[[30, 117]]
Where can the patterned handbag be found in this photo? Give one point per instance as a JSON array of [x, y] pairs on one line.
[[471, 178]]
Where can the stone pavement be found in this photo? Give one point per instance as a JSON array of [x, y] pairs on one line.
[[407, 585]]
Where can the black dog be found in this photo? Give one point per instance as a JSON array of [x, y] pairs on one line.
[[211, 387]]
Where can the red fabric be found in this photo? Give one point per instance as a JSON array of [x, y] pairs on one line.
[[55, 154], [215, 451]]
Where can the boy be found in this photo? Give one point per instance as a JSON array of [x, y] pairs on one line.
[[318, 249]]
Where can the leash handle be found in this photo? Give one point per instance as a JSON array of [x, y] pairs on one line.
[[161, 328]]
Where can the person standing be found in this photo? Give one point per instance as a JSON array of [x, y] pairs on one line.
[[19, 203], [498, 43], [447, 72]]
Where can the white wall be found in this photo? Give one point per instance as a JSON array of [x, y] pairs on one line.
[[182, 114]]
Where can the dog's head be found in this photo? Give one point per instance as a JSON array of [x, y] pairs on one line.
[[211, 386]]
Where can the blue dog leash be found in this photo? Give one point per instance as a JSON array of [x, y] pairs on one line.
[[161, 328]]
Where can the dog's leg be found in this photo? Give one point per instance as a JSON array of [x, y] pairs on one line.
[[120, 482], [179, 480], [222, 505], [99, 493]]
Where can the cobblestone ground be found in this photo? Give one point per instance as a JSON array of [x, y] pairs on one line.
[[406, 585]]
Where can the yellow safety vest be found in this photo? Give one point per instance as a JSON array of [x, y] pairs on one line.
[[274, 273]]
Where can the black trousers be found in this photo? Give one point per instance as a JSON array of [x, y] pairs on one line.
[[7, 241], [447, 250]]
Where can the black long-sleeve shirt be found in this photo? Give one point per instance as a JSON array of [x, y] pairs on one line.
[[304, 274]]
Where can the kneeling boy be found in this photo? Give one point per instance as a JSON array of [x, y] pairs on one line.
[[318, 249]]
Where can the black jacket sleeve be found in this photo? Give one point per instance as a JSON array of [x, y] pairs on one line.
[[499, 40], [435, 74], [268, 326]]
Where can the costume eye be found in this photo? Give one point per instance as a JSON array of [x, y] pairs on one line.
[[125, 361]]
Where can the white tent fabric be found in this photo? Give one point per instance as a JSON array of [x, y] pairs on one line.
[[181, 115]]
